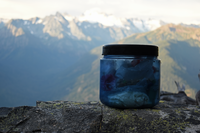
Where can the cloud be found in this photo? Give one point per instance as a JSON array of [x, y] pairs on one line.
[[96, 2], [167, 10]]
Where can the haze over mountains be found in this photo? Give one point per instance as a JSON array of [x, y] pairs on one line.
[[57, 57]]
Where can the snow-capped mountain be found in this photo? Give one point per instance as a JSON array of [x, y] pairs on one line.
[[2, 22], [97, 16], [94, 26], [91, 25]]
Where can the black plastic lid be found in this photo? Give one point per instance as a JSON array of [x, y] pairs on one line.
[[130, 49]]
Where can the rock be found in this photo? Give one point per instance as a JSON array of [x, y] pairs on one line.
[[198, 98], [177, 98], [198, 94], [179, 88], [93, 117]]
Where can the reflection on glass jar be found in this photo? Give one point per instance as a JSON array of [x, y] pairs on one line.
[[130, 76]]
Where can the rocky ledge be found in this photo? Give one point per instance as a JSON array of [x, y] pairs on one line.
[[93, 117]]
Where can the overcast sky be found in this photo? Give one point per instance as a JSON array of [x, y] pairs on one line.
[[175, 11]]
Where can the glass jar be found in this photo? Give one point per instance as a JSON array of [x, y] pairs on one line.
[[130, 76]]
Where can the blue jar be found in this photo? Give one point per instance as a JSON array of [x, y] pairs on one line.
[[130, 76]]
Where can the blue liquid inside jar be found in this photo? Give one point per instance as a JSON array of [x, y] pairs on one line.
[[130, 76]]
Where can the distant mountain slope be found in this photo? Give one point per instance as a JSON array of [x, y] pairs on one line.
[[191, 25], [166, 32], [179, 61], [28, 64], [2, 22]]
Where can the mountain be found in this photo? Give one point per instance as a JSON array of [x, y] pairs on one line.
[[29, 63], [44, 58], [96, 15], [92, 25], [179, 52], [166, 32], [190, 25], [2, 22], [33, 52]]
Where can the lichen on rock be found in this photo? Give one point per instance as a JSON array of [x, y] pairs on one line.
[[91, 117]]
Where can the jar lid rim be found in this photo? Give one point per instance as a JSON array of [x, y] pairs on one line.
[[130, 49]]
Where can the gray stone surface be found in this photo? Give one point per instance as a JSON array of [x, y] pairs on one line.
[[177, 98], [93, 117]]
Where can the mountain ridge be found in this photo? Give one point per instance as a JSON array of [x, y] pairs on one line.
[[86, 27], [169, 31], [63, 24]]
